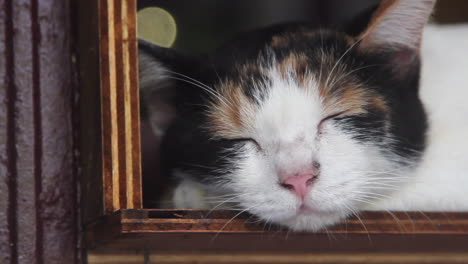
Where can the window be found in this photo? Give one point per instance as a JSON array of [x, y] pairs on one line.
[[111, 172]]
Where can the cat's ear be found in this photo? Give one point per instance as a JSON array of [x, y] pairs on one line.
[[160, 71], [397, 25]]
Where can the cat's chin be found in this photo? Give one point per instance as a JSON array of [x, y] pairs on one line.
[[310, 220], [302, 217]]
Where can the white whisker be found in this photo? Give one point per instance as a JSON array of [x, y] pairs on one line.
[[339, 60]]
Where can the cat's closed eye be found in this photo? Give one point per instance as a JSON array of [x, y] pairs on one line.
[[249, 140], [328, 118]]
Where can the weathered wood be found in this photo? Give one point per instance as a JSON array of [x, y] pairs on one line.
[[120, 108], [90, 145], [137, 257], [37, 172], [318, 258], [7, 137], [451, 12], [109, 107], [198, 230], [127, 103]]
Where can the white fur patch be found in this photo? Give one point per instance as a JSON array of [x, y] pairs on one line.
[[441, 181], [191, 194]]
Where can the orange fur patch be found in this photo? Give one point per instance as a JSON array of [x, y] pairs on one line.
[[378, 102], [296, 64], [343, 92], [282, 41], [351, 99], [231, 114]]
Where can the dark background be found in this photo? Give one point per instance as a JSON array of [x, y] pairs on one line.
[[203, 24]]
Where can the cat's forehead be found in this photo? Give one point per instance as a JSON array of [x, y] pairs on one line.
[[305, 53], [291, 85]]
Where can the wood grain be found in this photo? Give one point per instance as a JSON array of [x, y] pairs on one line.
[[318, 258], [198, 230], [111, 145], [141, 256]]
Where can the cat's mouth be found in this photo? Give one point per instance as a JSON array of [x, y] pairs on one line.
[[305, 209]]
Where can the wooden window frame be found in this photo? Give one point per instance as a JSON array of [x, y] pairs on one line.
[[111, 186]]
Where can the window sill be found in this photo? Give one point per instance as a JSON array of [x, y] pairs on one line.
[[200, 230]]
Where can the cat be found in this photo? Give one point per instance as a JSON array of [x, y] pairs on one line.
[[303, 127]]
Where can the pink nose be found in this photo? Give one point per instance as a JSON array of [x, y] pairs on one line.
[[299, 184]]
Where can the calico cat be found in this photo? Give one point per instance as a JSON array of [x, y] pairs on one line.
[[304, 127]]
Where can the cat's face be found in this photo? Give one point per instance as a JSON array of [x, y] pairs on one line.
[[304, 127], [314, 130]]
